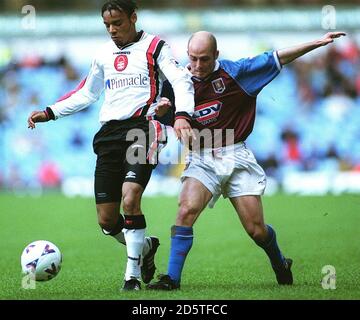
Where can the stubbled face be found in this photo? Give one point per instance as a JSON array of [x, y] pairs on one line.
[[120, 27], [202, 58]]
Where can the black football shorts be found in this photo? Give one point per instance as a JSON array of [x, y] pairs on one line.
[[114, 166], [112, 170]]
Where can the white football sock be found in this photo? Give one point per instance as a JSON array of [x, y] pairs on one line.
[[120, 237], [134, 245]]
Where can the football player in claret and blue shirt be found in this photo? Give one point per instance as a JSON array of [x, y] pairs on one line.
[[225, 99]]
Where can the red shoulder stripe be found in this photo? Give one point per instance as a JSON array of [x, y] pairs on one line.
[[69, 94], [151, 66]]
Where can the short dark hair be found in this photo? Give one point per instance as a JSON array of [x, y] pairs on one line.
[[127, 6]]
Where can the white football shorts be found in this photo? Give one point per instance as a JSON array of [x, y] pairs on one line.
[[231, 171]]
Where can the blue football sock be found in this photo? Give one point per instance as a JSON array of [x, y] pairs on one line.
[[181, 242], [271, 248]]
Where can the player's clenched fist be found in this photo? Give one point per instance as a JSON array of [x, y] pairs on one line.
[[162, 107]]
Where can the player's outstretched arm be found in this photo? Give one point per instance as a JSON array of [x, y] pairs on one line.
[[37, 116], [289, 54]]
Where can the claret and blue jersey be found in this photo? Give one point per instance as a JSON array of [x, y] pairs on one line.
[[227, 98]]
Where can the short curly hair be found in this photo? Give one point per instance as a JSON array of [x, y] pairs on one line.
[[127, 6]]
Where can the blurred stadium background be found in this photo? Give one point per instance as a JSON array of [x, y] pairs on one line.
[[307, 131], [306, 136]]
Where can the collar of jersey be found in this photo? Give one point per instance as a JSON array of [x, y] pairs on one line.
[[137, 39]]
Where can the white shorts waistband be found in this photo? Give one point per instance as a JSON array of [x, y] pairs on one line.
[[222, 150]]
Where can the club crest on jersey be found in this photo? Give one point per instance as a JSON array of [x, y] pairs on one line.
[[218, 85], [121, 62], [207, 112]]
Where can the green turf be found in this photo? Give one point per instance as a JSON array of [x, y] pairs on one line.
[[223, 263]]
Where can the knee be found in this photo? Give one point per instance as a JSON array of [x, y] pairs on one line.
[[257, 232], [187, 213], [109, 216], [131, 200], [106, 221]]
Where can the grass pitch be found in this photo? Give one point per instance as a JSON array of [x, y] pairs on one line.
[[223, 264]]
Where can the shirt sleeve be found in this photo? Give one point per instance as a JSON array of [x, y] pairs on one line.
[[85, 96], [180, 80], [253, 74]]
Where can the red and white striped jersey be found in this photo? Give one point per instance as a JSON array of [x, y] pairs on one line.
[[132, 79]]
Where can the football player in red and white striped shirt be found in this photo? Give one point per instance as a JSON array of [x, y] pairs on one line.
[[130, 70]]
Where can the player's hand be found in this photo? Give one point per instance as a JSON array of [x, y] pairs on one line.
[[330, 36], [162, 107], [184, 131], [37, 116]]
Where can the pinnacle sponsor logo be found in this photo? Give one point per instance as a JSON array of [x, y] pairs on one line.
[[126, 82], [207, 112]]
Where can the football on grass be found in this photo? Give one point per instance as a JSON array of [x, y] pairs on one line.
[[42, 260]]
